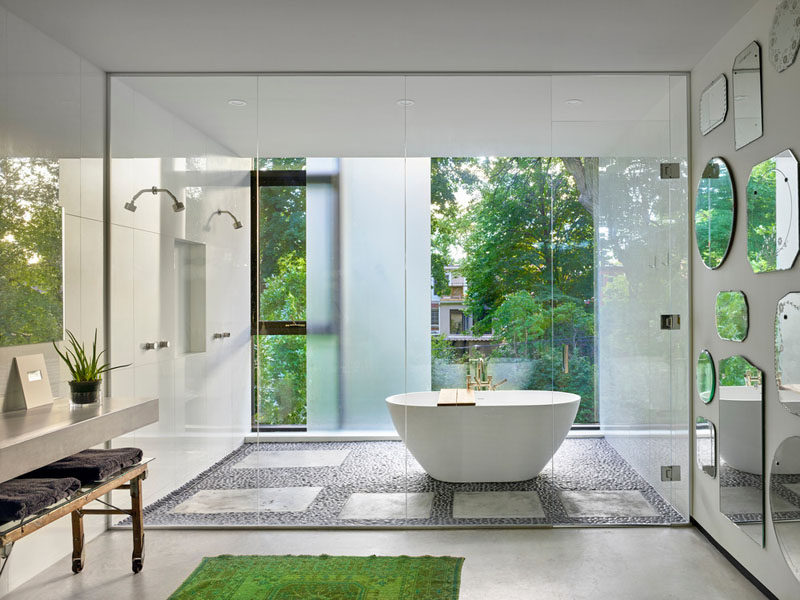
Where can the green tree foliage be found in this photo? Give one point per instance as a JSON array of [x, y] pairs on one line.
[[448, 221], [731, 315], [762, 243], [31, 291], [282, 358], [736, 371]]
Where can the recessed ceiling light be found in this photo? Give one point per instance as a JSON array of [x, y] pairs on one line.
[[405, 102], [573, 101], [237, 102]]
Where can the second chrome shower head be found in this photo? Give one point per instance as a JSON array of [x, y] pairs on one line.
[[237, 224]]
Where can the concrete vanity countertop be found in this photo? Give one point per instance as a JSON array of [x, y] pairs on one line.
[[32, 438]]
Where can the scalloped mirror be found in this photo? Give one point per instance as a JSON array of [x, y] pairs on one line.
[[705, 439], [706, 377], [714, 212], [732, 315], [787, 352], [714, 104], [784, 500], [741, 457], [773, 236]]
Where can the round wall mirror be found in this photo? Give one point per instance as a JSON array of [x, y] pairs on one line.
[[732, 316], [714, 213], [773, 235], [787, 351], [784, 500], [706, 377]]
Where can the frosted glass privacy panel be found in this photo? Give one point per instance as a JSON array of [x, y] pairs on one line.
[[772, 220], [706, 377], [714, 213], [732, 317], [705, 438], [747, 120], [713, 104], [741, 457], [787, 352], [784, 500]]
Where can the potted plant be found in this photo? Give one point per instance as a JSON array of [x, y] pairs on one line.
[[87, 371]]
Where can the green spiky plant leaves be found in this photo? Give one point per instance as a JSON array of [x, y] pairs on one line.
[[82, 366]]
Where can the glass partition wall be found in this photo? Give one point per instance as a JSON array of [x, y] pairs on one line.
[[404, 300]]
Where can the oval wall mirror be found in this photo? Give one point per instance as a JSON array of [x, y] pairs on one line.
[[705, 438], [706, 377], [714, 213], [784, 500], [741, 456], [784, 35], [773, 237], [787, 352], [731, 316]]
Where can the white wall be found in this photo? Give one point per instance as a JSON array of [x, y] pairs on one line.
[[781, 130], [52, 105], [204, 396]]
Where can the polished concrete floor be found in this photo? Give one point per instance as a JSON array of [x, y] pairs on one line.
[[543, 564]]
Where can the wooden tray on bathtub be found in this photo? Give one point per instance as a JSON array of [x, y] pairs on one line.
[[456, 397]]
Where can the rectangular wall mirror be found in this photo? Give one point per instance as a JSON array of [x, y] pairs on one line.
[[706, 446], [747, 118], [741, 457], [31, 271]]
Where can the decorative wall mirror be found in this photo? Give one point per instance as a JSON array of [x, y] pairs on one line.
[[713, 104], [706, 377], [773, 236], [741, 472], [784, 36], [747, 117], [705, 439], [787, 352], [714, 213], [731, 316], [784, 500]]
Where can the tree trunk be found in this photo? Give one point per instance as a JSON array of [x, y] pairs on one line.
[[586, 173]]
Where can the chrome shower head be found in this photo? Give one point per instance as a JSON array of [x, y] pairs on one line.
[[177, 206], [237, 224]]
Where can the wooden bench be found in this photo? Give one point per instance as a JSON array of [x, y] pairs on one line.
[[130, 478]]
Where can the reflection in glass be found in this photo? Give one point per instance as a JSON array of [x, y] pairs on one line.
[[787, 351], [713, 104], [731, 315], [784, 495], [714, 213], [31, 292], [705, 435], [747, 121], [741, 491], [706, 377], [772, 219]]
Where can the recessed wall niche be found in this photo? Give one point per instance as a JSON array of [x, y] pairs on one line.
[[190, 305]]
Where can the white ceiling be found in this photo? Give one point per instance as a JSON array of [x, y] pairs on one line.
[[511, 115], [376, 35]]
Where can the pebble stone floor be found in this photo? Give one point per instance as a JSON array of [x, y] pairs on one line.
[[341, 484]]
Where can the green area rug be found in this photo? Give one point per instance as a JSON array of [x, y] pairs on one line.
[[323, 578]]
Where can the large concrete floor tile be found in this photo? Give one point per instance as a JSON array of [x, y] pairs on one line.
[[497, 505], [415, 505], [606, 503], [291, 499], [282, 459]]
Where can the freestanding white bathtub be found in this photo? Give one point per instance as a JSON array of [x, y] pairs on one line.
[[507, 436]]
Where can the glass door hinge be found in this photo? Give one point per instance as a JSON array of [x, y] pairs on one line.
[[670, 171], [670, 473], [670, 321]]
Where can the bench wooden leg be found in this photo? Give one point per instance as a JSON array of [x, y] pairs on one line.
[[138, 528], [78, 548]]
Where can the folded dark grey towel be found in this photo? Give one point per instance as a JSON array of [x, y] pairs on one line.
[[20, 498], [91, 465]]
